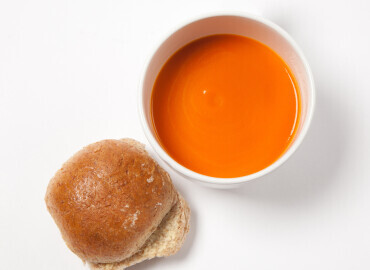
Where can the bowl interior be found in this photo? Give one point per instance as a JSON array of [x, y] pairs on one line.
[[258, 29]]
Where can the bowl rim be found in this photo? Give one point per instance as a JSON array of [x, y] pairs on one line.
[[235, 180]]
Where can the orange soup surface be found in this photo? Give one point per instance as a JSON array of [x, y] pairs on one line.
[[225, 106]]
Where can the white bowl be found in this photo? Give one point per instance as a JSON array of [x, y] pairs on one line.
[[246, 25]]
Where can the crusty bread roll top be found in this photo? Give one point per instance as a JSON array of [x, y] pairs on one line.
[[108, 199]]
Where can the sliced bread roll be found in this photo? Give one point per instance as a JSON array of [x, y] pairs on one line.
[[115, 206]]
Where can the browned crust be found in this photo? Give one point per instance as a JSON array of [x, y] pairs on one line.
[[165, 241], [108, 199]]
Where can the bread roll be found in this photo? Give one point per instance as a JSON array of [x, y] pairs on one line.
[[109, 198]]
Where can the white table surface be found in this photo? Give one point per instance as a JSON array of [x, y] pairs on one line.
[[69, 73]]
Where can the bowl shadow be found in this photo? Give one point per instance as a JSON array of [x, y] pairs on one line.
[[312, 170]]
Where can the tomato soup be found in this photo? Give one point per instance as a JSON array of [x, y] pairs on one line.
[[225, 106]]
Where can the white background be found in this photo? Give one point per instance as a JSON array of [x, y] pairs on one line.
[[69, 74]]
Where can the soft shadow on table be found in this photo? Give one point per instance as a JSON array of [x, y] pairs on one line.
[[311, 172]]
